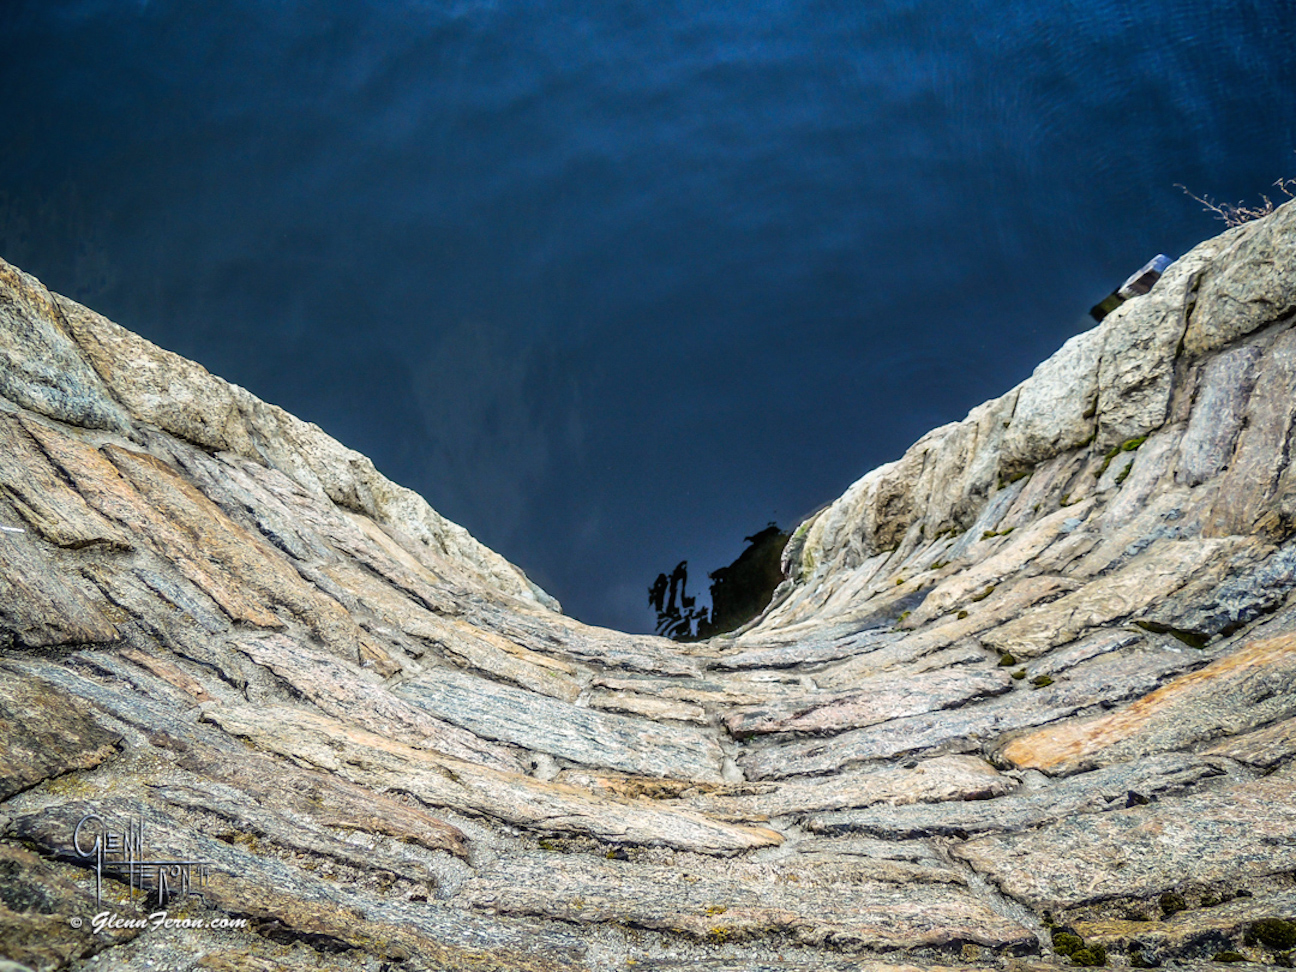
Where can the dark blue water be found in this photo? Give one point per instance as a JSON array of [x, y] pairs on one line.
[[615, 284]]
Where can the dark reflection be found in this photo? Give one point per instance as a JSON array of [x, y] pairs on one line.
[[677, 613], [739, 592]]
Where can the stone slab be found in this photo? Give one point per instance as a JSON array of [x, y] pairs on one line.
[[564, 731], [1225, 836], [348, 692], [1240, 691], [1165, 567], [876, 699], [377, 762], [41, 606], [837, 903], [1265, 747], [956, 778], [46, 733], [1096, 792], [971, 727]]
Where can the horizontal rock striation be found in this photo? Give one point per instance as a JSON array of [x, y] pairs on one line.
[[1034, 679]]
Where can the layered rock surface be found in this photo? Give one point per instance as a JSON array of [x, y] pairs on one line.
[[1037, 674]]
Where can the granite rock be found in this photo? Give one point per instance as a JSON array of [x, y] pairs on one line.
[[1038, 669]]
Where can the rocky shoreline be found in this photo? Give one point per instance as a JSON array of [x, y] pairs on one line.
[[1026, 699]]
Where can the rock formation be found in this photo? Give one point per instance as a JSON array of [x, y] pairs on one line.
[[1026, 698]]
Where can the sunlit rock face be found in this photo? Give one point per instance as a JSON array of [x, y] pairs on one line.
[[1031, 684]]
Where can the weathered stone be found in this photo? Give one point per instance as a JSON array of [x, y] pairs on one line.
[[130, 696], [632, 703], [175, 613], [38, 900], [46, 733], [1242, 690], [1079, 652], [731, 690], [934, 780], [1234, 592], [40, 607], [1166, 567], [1265, 747], [875, 700], [944, 646], [329, 801], [800, 651], [228, 562], [1140, 342], [288, 903], [348, 692], [1223, 837], [792, 899], [158, 387], [565, 731], [40, 367], [1056, 406], [1141, 482], [960, 477], [496, 655], [1244, 289], [566, 638], [1245, 503], [1105, 789], [104, 487], [43, 500], [378, 762], [958, 591], [1216, 419], [1198, 933], [970, 727], [169, 673], [369, 723], [1110, 544], [260, 500], [1044, 489]]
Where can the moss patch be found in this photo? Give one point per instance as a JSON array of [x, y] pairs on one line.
[[1272, 933], [1129, 445], [1077, 949], [1192, 639]]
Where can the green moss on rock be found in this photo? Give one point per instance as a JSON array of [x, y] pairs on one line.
[[1272, 933]]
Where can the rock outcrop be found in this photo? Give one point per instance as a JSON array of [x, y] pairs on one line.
[[1027, 696]]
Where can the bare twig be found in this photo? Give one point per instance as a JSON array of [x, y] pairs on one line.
[[1237, 215]]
